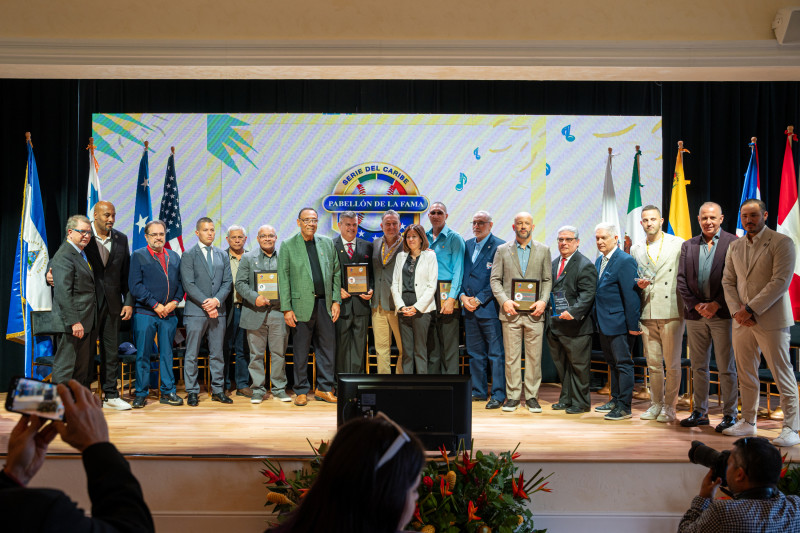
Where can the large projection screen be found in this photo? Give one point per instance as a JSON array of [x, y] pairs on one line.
[[254, 169]]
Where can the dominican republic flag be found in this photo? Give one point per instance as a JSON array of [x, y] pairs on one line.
[[679, 224], [143, 211], [752, 184], [634, 232], [29, 291], [609, 210], [789, 218], [93, 188], [171, 209]]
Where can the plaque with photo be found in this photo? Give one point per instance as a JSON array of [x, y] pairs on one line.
[[525, 292], [444, 290], [356, 277], [266, 284]]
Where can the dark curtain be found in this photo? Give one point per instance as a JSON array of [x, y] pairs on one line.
[[715, 121]]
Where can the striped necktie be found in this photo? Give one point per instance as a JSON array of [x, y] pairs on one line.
[[603, 264]]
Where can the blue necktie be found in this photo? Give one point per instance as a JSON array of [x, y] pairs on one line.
[[209, 262], [83, 254]]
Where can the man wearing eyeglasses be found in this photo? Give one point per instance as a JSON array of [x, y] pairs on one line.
[[484, 335], [309, 284], [74, 304]]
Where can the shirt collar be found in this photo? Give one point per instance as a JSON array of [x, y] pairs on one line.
[[98, 237], [609, 254], [568, 257], [527, 246], [346, 242], [154, 253], [758, 235], [75, 246]]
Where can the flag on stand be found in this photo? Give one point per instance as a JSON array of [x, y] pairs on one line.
[[93, 188], [171, 209], [609, 211], [752, 184], [143, 210], [29, 291], [679, 223], [789, 216], [634, 233]]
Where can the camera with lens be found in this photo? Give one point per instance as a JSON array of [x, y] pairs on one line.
[[700, 454]]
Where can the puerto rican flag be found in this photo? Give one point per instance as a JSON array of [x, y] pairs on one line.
[[171, 209]]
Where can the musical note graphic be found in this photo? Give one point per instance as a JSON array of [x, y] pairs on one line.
[[565, 133], [477, 155], [547, 169], [461, 181]]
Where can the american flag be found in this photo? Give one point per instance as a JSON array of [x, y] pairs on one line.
[[171, 209]]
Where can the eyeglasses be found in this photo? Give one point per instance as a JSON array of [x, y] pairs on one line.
[[437, 212], [269, 236], [566, 239], [309, 221], [398, 443], [479, 222], [156, 234], [83, 231]]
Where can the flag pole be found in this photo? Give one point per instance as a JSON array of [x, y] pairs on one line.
[[28, 138], [91, 145]]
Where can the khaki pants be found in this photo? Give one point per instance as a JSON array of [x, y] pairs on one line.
[[516, 330], [662, 341], [384, 325]]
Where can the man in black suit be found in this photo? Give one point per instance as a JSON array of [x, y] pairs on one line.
[[74, 304], [569, 331], [351, 328]]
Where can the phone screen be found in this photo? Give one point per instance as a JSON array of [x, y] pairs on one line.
[[34, 397]]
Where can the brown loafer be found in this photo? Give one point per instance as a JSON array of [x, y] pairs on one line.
[[247, 392], [324, 396], [301, 400]]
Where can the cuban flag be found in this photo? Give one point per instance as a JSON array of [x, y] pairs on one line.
[[171, 209], [143, 210], [29, 290], [93, 188], [752, 185]]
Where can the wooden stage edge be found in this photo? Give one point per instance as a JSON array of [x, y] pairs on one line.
[[244, 431]]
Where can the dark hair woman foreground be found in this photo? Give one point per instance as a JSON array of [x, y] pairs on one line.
[[367, 483]]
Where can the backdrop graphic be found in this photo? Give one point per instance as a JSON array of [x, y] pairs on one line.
[[253, 169]]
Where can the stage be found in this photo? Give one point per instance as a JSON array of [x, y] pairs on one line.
[[202, 464]]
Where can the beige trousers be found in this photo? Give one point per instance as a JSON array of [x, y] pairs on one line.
[[384, 325], [516, 330]]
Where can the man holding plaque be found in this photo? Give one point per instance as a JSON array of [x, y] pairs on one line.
[[569, 322], [484, 334], [521, 280], [443, 334], [309, 283], [662, 313], [385, 322], [257, 283], [351, 329]]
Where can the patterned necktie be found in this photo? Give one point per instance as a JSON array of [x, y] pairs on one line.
[[350, 249], [561, 268], [603, 264]]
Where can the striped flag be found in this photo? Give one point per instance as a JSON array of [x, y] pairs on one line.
[[171, 209], [679, 223], [752, 184], [634, 232], [143, 210], [789, 217], [609, 211], [93, 187]]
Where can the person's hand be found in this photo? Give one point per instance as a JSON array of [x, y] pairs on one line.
[[367, 296], [709, 485], [643, 283], [510, 307], [711, 309], [344, 294], [213, 313], [565, 316], [49, 277], [447, 306], [77, 330], [209, 304], [632, 332], [261, 301], [335, 311], [742, 316], [127, 312], [467, 302], [160, 310], [27, 447], [170, 307], [84, 423], [290, 318], [409, 310], [538, 308]]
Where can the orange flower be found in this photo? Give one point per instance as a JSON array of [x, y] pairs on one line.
[[491, 478], [784, 470], [417, 516], [542, 487], [444, 488], [302, 492], [444, 454], [518, 488], [515, 455], [471, 510], [280, 477]]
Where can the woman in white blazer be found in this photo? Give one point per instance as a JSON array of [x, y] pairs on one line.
[[413, 290]]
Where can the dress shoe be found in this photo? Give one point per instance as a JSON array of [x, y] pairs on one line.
[[727, 421], [776, 414], [171, 399], [533, 405], [139, 402], [695, 419], [618, 414], [494, 404], [606, 407], [741, 428], [510, 406], [559, 406], [642, 393], [574, 410], [247, 392], [191, 399], [788, 437], [323, 396], [301, 400], [605, 390], [479, 398], [220, 397]]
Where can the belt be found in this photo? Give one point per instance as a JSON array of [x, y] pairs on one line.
[[237, 305]]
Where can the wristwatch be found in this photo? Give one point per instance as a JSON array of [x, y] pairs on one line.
[[747, 308]]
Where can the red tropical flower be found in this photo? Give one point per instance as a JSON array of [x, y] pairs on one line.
[[518, 488], [542, 487], [469, 465], [417, 516], [444, 488], [443, 450], [428, 482], [471, 510], [280, 477], [515, 455]]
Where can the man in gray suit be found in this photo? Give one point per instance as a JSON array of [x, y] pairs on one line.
[[206, 278], [262, 318], [758, 270], [74, 304], [385, 322], [522, 258]]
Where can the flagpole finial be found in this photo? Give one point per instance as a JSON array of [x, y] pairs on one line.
[[638, 147], [753, 140], [91, 144], [172, 149], [146, 144], [28, 138], [790, 129], [609, 150], [680, 145]]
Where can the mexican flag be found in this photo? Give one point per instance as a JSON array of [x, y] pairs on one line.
[[634, 233]]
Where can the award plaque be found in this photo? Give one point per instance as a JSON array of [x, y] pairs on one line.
[[444, 290], [266, 283], [558, 302], [525, 292], [356, 277]]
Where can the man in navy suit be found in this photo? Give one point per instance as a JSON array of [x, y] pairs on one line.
[[484, 334], [207, 280], [616, 313]]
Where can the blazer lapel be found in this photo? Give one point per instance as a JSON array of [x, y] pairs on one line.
[[758, 250], [515, 259], [79, 258]]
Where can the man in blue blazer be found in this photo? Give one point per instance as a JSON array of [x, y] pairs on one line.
[[484, 334], [207, 280], [616, 313]]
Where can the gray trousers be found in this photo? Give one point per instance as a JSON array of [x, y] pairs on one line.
[[699, 335], [516, 330], [414, 332], [273, 333], [196, 328], [443, 338]]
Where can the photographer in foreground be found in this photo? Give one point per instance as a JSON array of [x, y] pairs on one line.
[[117, 500], [752, 474]]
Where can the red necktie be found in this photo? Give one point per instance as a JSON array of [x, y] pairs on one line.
[[350, 249], [561, 268]]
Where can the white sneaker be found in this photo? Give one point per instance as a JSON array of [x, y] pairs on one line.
[[116, 403], [257, 398], [652, 413], [282, 396], [787, 438], [667, 415], [741, 429]]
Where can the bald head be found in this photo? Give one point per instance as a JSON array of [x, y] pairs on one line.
[[267, 237], [104, 217], [523, 227]]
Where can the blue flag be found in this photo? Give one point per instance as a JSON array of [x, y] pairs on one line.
[[29, 291], [143, 212], [752, 185]]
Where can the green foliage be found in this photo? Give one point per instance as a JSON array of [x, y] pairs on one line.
[[790, 478], [294, 486]]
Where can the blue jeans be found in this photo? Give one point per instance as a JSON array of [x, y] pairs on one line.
[[145, 328], [484, 339]]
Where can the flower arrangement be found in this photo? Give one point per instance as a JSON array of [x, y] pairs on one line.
[[286, 492], [789, 482]]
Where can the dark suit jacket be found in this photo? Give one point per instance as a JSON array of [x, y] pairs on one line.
[[362, 254], [687, 274], [383, 276], [616, 302], [111, 279], [199, 284], [74, 298], [149, 285], [477, 275], [579, 284], [117, 500]]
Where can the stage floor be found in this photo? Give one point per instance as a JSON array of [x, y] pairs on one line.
[[244, 430]]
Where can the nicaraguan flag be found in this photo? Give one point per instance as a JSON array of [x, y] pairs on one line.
[[93, 189], [752, 185], [143, 211]]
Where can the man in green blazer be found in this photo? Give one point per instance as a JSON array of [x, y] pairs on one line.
[[310, 291]]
